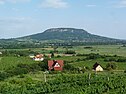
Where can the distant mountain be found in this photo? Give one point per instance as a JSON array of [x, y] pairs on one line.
[[68, 35], [59, 37]]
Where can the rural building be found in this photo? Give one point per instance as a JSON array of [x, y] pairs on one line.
[[39, 57], [55, 65], [97, 67]]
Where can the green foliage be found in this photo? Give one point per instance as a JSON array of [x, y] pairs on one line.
[[9, 62], [93, 56], [70, 52], [88, 47], [68, 84], [115, 59], [15, 75], [3, 75], [111, 66], [52, 54], [69, 67], [121, 60], [58, 56], [21, 69], [44, 65]]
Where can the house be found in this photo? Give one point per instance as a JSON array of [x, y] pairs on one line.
[[39, 57], [97, 67], [55, 65]]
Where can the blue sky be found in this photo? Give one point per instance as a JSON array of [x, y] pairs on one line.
[[26, 17]]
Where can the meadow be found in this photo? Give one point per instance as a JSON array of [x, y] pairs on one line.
[[21, 75]]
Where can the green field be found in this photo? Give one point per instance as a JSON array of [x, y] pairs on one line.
[[8, 62], [22, 75]]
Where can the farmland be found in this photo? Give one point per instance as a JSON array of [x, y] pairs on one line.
[[21, 75]]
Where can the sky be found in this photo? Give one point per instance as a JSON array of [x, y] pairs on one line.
[[25, 17]]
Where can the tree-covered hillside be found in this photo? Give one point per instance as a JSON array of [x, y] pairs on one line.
[[70, 34], [59, 37]]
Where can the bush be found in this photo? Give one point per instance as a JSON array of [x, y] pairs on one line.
[[124, 71], [110, 59], [43, 65], [52, 54], [69, 67], [3, 75], [70, 52], [121, 60], [30, 67], [58, 56], [111, 66], [93, 56], [21, 69], [88, 47]]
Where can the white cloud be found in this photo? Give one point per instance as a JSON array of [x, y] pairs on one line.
[[121, 4], [14, 1], [1, 1], [54, 4], [91, 5]]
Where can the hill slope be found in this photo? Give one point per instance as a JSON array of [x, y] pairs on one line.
[[69, 34], [58, 36]]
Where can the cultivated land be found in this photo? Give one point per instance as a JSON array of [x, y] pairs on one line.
[[21, 75]]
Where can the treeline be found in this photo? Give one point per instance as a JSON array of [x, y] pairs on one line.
[[115, 59], [21, 46], [18, 53], [107, 58], [39, 44]]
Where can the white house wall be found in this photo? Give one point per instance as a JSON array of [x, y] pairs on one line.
[[99, 68]]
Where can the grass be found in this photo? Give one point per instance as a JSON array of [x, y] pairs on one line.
[[8, 62], [101, 49]]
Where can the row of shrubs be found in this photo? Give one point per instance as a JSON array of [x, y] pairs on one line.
[[106, 58], [17, 53], [115, 59]]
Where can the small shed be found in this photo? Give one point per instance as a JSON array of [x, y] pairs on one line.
[[97, 67]]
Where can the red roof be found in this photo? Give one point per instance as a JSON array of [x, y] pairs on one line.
[[55, 64], [50, 63], [39, 56]]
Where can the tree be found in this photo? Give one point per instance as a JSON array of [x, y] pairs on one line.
[[52, 54], [111, 66]]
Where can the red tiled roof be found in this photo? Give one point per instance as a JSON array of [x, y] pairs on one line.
[[39, 56], [60, 62], [51, 64]]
